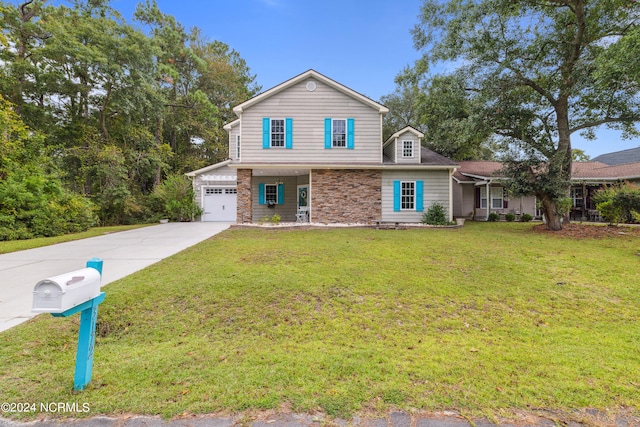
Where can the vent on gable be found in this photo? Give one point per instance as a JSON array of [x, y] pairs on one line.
[[311, 86]]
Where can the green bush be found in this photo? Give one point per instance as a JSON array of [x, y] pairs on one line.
[[493, 217], [618, 202], [435, 215], [525, 217], [177, 199], [510, 217]]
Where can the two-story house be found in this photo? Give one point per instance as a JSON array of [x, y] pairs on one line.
[[311, 149]]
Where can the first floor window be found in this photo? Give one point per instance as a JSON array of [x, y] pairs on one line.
[[277, 133], [339, 133], [408, 195], [407, 149], [576, 195], [496, 195], [271, 194]]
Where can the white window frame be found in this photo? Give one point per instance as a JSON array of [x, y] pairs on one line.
[[333, 141], [408, 201], [408, 149], [238, 146], [493, 195], [267, 193], [271, 133]]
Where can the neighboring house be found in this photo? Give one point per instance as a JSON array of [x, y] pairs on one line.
[[478, 190], [311, 149], [473, 180], [631, 155]]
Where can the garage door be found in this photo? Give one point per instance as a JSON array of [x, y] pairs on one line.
[[219, 204]]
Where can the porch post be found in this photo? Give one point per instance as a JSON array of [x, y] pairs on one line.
[[488, 201]]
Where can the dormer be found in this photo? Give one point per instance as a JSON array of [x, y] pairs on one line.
[[403, 147]]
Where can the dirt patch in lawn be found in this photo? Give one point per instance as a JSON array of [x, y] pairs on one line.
[[586, 231]]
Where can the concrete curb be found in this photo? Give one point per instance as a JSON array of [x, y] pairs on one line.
[[393, 419]]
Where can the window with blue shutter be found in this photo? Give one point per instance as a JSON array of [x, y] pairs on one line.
[[419, 196], [266, 131], [396, 196], [350, 138], [327, 133], [289, 133]]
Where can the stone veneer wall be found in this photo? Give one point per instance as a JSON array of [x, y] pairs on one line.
[[245, 204], [345, 196]]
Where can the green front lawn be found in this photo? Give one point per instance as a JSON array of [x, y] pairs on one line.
[[484, 319], [20, 245]]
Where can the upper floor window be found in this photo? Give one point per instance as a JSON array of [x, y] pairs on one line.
[[237, 146], [277, 132], [407, 149], [339, 133]]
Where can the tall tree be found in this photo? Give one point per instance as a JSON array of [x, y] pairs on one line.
[[542, 70]]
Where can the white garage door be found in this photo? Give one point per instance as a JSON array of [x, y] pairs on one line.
[[219, 204]]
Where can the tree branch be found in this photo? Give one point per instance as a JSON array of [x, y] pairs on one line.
[[633, 118]]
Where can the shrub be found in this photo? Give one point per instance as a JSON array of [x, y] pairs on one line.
[[435, 215], [525, 217], [510, 217], [617, 203], [177, 198], [493, 217]]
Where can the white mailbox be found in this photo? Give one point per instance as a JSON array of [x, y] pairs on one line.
[[60, 293]]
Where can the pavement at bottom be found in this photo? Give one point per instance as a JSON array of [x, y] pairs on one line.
[[123, 253], [392, 419]]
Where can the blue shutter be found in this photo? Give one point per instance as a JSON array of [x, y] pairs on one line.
[[261, 200], [419, 196], [396, 196], [266, 130], [281, 194], [350, 126], [327, 133], [288, 133]]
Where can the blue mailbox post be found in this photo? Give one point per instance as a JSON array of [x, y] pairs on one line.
[[68, 294]]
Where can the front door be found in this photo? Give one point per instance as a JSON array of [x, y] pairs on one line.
[[303, 201]]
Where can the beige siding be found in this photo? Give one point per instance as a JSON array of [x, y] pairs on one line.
[[436, 188], [408, 136], [308, 111], [390, 151], [233, 140], [463, 200]]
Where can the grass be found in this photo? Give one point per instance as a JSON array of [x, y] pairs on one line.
[[20, 245], [484, 319]]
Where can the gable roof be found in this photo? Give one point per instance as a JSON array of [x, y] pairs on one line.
[[631, 155], [208, 168], [411, 129], [238, 109]]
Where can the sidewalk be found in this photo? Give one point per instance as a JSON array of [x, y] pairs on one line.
[[123, 253], [393, 419]]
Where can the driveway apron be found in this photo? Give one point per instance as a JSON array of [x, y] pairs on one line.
[[123, 253]]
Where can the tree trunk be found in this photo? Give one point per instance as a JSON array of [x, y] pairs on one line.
[[551, 214]]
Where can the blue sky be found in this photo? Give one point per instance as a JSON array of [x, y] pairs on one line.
[[362, 44]]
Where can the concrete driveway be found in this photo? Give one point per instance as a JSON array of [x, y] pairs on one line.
[[123, 253]]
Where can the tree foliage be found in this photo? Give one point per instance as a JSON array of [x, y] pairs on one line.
[[119, 105], [537, 72]]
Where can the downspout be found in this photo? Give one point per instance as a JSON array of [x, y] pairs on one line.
[[451, 172]]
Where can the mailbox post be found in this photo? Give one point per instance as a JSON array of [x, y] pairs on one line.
[[68, 294]]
